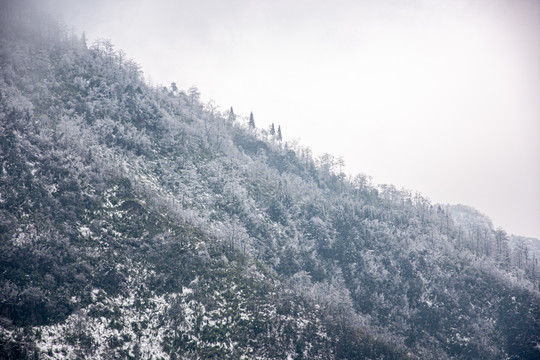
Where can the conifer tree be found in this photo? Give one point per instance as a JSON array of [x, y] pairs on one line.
[[194, 95], [272, 130], [174, 88], [232, 116], [251, 121], [279, 137]]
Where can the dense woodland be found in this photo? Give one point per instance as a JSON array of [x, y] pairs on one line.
[[137, 222]]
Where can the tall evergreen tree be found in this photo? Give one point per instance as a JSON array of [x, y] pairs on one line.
[[251, 121], [174, 88], [279, 137], [272, 130], [232, 116]]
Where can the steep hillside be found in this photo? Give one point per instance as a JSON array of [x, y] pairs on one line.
[[138, 222]]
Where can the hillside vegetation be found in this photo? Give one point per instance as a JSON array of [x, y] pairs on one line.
[[137, 222]]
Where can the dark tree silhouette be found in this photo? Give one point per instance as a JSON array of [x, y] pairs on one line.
[[251, 121]]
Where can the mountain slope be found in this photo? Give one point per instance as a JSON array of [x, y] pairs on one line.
[[138, 222]]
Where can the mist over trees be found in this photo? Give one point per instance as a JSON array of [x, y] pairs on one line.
[[138, 221]]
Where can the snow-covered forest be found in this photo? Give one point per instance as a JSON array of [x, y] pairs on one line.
[[138, 222]]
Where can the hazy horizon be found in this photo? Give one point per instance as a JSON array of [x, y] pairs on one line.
[[441, 98]]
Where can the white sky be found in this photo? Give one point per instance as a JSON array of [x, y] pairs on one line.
[[441, 97]]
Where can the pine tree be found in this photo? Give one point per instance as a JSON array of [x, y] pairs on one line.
[[272, 130], [251, 121], [174, 88], [194, 95], [83, 40], [279, 137], [232, 116]]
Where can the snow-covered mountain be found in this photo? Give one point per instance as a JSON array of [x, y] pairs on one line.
[[138, 222]]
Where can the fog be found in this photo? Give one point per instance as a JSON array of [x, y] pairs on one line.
[[440, 97]]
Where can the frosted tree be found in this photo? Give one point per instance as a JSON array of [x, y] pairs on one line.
[[231, 117], [272, 130], [174, 88], [194, 95], [503, 250], [251, 122], [83, 40], [279, 137]]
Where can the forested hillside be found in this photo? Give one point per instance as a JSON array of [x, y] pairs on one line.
[[138, 222]]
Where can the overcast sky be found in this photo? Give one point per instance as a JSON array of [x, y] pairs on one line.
[[440, 97]]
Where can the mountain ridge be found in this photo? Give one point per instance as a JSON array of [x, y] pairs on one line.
[[138, 222]]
